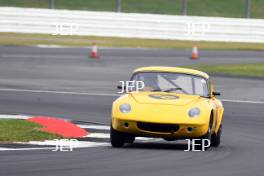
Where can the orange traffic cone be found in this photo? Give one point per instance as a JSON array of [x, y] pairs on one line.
[[94, 53], [195, 54]]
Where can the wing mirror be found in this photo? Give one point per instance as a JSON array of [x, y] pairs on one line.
[[216, 93], [121, 87]]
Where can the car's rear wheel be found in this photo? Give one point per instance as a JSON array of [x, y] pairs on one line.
[[216, 138], [118, 139]]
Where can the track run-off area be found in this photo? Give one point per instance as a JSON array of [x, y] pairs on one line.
[[66, 83]]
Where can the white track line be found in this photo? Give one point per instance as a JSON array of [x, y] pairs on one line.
[[243, 101], [86, 144], [89, 47], [97, 127], [12, 149], [107, 136], [57, 46], [148, 139], [5, 116], [78, 144], [107, 94], [58, 92], [26, 56], [104, 135], [98, 135]]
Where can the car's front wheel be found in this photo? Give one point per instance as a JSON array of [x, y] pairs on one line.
[[118, 139], [207, 136], [216, 138], [201, 142]]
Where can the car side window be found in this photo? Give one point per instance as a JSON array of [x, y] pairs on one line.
[[200, 87]]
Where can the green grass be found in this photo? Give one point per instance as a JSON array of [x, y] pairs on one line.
[[25, 3], [46, 39], [224, 8], [248, 70], [13, 130]]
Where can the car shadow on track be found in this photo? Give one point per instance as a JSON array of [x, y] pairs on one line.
[[159, 146]]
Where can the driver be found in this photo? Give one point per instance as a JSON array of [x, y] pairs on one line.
[[150, 81]]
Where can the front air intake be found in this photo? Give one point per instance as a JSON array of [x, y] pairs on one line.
[[156, 127]]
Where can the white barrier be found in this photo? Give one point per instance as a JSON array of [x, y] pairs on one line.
[[45, 21]]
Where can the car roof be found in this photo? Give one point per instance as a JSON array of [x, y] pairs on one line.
[[173, 70]]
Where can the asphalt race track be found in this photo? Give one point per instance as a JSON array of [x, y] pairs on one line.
[[70, 69], [65, 83]]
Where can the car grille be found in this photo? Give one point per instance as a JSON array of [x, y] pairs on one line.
[[156, 127]]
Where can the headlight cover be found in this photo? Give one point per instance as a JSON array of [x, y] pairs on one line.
[[194, 112], [125, 108]]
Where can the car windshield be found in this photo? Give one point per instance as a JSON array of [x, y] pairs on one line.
[[172, 82]]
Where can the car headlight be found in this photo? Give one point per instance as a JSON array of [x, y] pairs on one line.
[[125, 108], [194, 112]]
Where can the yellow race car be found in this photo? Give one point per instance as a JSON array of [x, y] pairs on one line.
[[175, 103]]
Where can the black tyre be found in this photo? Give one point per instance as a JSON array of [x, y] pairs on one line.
[[200, 142], [207, 136], [118, 139], [216, 138]]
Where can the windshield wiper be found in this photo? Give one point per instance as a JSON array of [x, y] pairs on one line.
[[172, 89], [156, 90], [167, 90]]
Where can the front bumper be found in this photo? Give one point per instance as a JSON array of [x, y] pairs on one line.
[[160, 130]]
